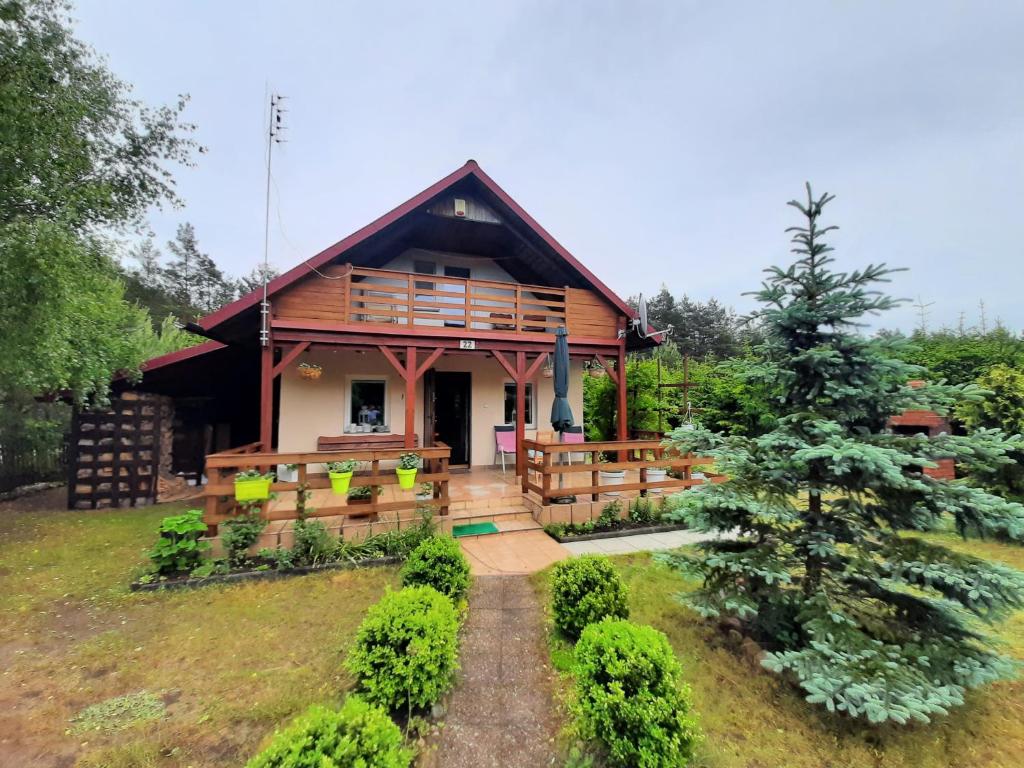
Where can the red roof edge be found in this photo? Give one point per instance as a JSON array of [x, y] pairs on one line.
[[182, 354], [471, 167]]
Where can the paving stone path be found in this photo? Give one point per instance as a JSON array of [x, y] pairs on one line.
[[502, 711]]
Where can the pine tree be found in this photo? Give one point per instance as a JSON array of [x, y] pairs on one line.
[[824, 569]]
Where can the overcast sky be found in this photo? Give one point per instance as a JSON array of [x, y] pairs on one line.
[[659, 142]]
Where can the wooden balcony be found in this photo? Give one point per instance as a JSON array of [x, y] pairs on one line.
[[380, 298]]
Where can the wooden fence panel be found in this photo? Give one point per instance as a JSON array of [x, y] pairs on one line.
[[115, 454]]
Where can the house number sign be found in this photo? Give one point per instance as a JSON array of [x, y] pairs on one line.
[[467, 344]]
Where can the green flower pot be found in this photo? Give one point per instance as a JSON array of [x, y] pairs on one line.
[[255, 489], [340, 482], [406, 478]]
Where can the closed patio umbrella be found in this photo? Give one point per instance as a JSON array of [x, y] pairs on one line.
[[561, 412]]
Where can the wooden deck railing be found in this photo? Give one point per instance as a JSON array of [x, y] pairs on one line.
[[221, 469], [549, 463], [385, 297]]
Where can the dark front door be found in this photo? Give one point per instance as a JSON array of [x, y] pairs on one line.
[[451, 408]]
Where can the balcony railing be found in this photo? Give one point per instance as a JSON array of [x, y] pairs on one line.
[[221, 469], [550, 462], [384, 297]]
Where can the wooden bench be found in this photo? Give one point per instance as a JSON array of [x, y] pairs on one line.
[[363, 441]]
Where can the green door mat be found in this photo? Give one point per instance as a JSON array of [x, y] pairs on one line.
[[473, 529]]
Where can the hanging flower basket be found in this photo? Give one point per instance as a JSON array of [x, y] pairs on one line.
[[340, 473], [310, 371], [597, 371], [252, 486], [408, 466]]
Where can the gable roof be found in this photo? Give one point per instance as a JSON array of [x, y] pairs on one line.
[[470, 169]]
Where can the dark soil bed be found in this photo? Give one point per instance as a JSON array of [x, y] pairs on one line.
[[614, 533]]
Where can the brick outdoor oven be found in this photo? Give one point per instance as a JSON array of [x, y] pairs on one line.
[[920, 422]]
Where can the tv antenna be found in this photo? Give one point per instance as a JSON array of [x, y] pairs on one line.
[[275, 127], [640, 322]]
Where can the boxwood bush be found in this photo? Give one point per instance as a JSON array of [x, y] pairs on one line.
[[438, 562], [628, 696], [584, 590], [359, 734], [406, 649]]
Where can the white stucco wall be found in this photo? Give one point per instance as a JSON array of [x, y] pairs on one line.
[[310, 409]]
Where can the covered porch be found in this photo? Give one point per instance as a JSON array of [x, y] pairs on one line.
[[422, 391]]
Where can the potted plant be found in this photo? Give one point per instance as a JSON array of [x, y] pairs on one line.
[[252, 485], [310, 370], [611, 476], [425, 492], [362, 495], [656, 475], [408, 464], [340, 473]]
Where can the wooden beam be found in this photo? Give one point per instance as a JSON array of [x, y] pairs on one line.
[[367, 341], [500, 357], [612, 374], [621, 383], [266, 395], [431, 359], [424, 333], [395, 362], [520, 378], [410, 396], [534, 367], [289, 357]]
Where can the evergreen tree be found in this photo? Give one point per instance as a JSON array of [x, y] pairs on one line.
[[254, 280], [869, 620], [699, 329]]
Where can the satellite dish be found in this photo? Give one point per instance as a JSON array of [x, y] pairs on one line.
[[640, 322]]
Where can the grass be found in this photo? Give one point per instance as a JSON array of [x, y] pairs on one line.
[[226, 664], [752, 719]]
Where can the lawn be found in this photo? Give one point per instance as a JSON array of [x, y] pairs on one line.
[[222, 665], [752, 719]]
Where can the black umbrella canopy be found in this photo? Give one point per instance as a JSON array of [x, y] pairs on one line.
[[561, 413]]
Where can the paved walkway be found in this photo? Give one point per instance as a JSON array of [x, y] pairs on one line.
[[644, 542], [512, 552], [502, 711]]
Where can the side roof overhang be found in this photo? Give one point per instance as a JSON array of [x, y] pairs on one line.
[[218, 324]]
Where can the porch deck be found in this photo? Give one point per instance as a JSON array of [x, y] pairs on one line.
[[477, 488]]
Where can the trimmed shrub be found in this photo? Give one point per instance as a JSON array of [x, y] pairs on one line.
[[406, 649], [438, 562], [628, 696], [584, 590], [359, 734]]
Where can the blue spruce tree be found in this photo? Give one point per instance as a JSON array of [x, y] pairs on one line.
[[823, 567]]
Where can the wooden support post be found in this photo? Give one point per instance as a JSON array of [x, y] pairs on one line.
[[410, 397], [521, 415], [623, 394], [267, 395]]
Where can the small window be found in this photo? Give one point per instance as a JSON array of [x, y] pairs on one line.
[[424, 268], [368, 402], [462, 272], [510, 404]]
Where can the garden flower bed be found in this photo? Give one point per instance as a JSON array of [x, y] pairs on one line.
[[643, 515], [180, 557], [261, 572]]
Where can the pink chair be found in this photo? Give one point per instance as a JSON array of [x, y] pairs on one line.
[[572, 435], [504, 443]]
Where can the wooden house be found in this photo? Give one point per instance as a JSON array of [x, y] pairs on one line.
[[430, 328]]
